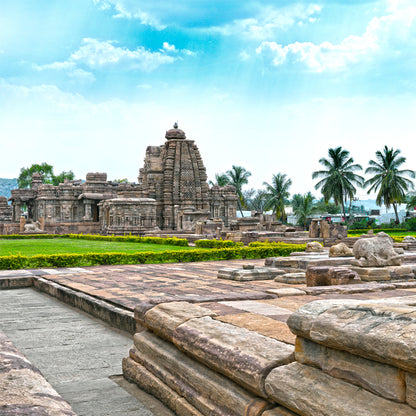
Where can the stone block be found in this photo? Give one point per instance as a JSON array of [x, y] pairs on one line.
[[240, 354], [292, 278], [340, 250], [343, 276], [317, 276], [138, 374], [165, 317], [401, 272], [206, 390], [372, 274], [382, 330], [310, 392], [411, 389], [289, 291], [244, 274], [279, 411], [382, 379]]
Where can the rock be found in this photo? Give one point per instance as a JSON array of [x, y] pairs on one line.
[[377, 251], [298, 278], [411, 389], [313, 247], [370, 274], [317, 276], [340, 250], [343, 276], [164, 318], [399, 250], [242, 355], [279, 411], [290, 291], [310, 392], [249, 274], [382, 379], [209, 392], [409, 239], [382, 330]]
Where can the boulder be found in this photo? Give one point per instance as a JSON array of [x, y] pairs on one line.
[[314, 247], [409, 239], [340, 250]]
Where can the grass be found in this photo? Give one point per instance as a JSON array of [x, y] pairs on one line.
[[352, 233], [29, 247]]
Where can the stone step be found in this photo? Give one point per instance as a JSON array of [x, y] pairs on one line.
[[310, 392], [209, 392], [241, 355]]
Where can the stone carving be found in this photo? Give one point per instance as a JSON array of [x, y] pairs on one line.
[[314, 247], [5, 210], [340, 250], [33, 227], [377, 251]]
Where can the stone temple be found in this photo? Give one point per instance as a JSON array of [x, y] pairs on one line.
[[172, 194]]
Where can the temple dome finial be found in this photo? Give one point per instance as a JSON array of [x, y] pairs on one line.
[[175, 133]]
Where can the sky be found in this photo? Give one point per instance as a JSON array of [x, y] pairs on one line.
[[87, 85]]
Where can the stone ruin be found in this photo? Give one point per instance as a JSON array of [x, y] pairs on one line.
[[320, 228], [172, 194]]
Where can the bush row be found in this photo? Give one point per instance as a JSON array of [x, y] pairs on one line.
[[217, 243], [173, 241], [92, 259], [379, 230]]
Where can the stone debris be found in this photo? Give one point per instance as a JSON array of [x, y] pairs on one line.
[[247, 274], [314, 247], [340, 250]]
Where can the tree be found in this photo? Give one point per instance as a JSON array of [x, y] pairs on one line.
[[322, 207], [238, 176], [303, 207], [25, 177], [277, 195], [388, 181], [221, 179], [255, 199], [410, 202], [124, 180], [339, 178], [56, 180]]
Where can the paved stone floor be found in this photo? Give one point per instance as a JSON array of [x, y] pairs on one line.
[[76, 354], [245, 304]]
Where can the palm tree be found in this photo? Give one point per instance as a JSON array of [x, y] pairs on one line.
[[388, 181], [303, 206], [339, 178], [277, 195], [411, 202], [221, 179], [238, 176]]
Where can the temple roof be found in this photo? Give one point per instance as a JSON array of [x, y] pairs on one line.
[[175, 133]]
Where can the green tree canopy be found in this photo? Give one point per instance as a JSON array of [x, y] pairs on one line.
[[255, 199], [388, 180], [238, 176], [410, 201], [277, 194], [221, 179], [338, 179], [303, 207], [25, 178]]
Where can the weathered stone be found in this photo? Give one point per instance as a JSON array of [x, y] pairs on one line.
[[382, 379], [343, 276], [138, 374], [165, 317], [409, 239], [244, 275], [401, 272], [372, 274], [279, 411], [317, 276], [314, 247], [242, 355], [298, 278], [310, 392], [208, 391], [411, 389], [383, 330], [290, 291], [340, 250], [377, 251]]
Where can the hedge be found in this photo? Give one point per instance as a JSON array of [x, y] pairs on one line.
[[378, 230], [93, 259], [173, 241], [217, 243]]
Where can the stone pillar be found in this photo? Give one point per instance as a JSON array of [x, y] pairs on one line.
[[88, 211], [22, 223]]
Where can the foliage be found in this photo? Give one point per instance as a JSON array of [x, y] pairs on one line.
[[255, 199], [238, 176], [25, 178], [388, 181], [124, 180], [277, 195], [410, 202], [322, 207], [362, 224], [411, 224], [338, 180], [221, 179], [303, 207], [91, 259], [217, 243]]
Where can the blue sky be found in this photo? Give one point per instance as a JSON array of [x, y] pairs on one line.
[[270, 85]]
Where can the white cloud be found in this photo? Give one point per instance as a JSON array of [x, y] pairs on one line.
[[168, 47], [268, 21], [144, 86], [390, 34]]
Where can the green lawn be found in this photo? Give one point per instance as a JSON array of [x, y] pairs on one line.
[[29, 247]]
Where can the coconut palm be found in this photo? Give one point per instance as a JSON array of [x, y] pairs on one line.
[[303, 206], [339, 179], [410, 202], [388, 181], [238, 176], [221, 179], [277, 195]]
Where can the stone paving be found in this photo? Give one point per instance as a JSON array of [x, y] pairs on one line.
[[245, 304]]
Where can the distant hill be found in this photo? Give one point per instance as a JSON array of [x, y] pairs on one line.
[[6, 186]]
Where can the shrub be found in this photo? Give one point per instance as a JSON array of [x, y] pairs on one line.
[[217, 243]]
